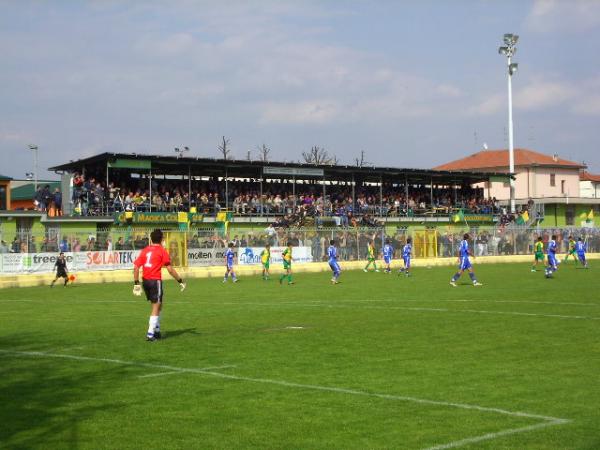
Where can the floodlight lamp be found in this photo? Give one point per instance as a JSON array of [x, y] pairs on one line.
[[515, 39], [33, 147], [513, 68], [508, 38], [503, 50]]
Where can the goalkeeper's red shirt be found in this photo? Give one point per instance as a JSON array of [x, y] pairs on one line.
[[152, 259]]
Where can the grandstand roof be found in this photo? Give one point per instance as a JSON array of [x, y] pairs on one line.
[[26, 191], [497, 159], [4, 178], [172, 165]]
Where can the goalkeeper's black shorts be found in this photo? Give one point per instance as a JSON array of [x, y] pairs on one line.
[[153, 290]]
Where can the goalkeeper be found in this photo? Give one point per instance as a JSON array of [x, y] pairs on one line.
[[152, 259]]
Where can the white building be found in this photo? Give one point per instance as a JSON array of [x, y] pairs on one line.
[[589, 185]]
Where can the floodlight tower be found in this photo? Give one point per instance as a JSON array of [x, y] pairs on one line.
[[181, 151], [509, 49], [34, 149]]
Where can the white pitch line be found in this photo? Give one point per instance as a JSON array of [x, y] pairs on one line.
[[87, 302], [490, 436], [415, 308], [523, 302], [160, 374], [547, 420]]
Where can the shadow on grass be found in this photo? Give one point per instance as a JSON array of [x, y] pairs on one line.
[[175, 333], [44, 401]]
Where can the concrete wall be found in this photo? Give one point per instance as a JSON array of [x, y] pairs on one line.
[[13, 281]]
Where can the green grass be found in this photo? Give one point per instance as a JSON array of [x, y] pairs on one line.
[[520, 343]]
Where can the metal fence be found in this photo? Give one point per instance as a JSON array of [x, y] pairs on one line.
[[441, 241]]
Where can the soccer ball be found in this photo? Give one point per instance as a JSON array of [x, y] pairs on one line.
[[71, 278]]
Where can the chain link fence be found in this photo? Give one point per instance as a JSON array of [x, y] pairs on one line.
[[441, 241]]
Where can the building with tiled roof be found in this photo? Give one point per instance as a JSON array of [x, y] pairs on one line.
[[537, 175], [589, 185]]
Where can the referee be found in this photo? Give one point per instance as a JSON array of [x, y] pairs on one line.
[[61, 269]]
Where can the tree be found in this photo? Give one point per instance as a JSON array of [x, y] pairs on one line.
[[360, 162], [224, 148], [263, 153], [319, 156]]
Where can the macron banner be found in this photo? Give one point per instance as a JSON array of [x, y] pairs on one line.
[[204, 257]]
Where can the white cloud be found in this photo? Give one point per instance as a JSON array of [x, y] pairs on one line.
[[576, 16], [588, 106], [304, 112], [491, 104], [543, 94]]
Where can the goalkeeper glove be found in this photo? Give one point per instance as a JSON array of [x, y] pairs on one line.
[[181, 284], [137, 289]]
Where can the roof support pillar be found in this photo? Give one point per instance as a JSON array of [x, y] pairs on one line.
[[189, 187], [150, 187], [381, 194], [406, 192]]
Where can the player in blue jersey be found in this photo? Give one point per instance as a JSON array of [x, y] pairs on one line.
[[580, 248], [406, 251], [333, 262], [551, 257], [229, 257], [388, 254], [464, 263]]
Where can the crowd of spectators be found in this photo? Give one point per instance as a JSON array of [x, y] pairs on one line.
[[94, 197], [46, 201]]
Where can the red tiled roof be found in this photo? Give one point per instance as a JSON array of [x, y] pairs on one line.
[[586, 176], [488, 159]]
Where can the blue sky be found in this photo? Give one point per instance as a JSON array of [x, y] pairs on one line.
[[413, 83]]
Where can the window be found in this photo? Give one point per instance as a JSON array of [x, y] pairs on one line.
[[562, 186], [552, 179]]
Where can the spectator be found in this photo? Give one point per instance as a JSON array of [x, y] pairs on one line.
[[64, 245], [57, 199]]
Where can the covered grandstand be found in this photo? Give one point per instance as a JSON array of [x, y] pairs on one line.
[[108, 183]]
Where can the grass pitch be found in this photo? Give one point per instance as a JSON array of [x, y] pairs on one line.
[[379, 361]]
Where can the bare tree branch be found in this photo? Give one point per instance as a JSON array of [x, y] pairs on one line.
[[224, 149], [263, 153], [319, 156]]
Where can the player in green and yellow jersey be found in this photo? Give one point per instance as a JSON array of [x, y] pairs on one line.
[[571, 251], [371, 257], [538, 252], [287, 264], [265, 259]]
